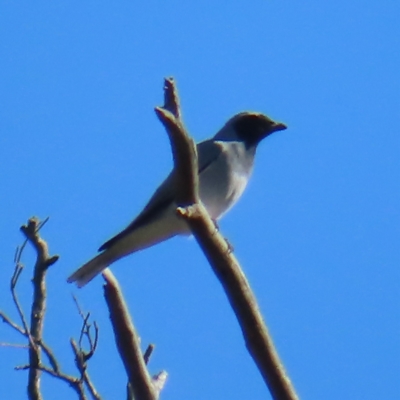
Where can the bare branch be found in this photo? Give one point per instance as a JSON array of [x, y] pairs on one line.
[[183, 147], [51, 357], [148, 352], [80, 361], [13, 287], [86, 332], [159, 380], [127, 341], [219, 255], [17, 272], [36, 343], [43, 261], [11, 323], [70, 380], [82, 356], [15, 345], [171, 98]]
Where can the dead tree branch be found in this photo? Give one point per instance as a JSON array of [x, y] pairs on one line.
[[218, 251], [141, 386], [43, 262], [34, 332]]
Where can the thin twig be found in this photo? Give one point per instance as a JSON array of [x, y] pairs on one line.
[[87, 333], [51, 357], [13, 285], [15, 345], [11, 323], [147, 354], [82, 368]]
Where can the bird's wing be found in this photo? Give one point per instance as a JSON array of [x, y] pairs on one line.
[[207, 151]]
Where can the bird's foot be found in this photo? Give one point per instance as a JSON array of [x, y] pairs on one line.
[[230, 246], [215, 224]]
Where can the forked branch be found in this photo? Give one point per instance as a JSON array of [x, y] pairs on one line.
[[219, 252]]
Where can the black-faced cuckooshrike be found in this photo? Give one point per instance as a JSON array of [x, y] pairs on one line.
[[225, 165]]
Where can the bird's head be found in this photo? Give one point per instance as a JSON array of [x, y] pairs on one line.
[[249, 127]]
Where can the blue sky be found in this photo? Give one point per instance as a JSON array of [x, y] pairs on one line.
[[317, 231]]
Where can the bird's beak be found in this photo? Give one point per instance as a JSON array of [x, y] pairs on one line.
[[279, 126]]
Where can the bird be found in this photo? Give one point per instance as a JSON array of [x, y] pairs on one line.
[[225, 164]]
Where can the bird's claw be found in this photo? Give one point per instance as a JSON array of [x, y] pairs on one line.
[[215, 222], [230, 246]]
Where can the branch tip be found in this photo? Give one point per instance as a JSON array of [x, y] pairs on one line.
[[171, 98], [147, 354]]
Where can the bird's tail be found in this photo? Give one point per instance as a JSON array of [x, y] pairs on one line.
[[90, 270]]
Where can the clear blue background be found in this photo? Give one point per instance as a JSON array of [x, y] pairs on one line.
[[317, 231]]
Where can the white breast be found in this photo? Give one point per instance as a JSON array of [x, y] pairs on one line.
[[222, 184]]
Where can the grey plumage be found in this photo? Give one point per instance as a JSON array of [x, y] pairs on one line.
[[225, 165]]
